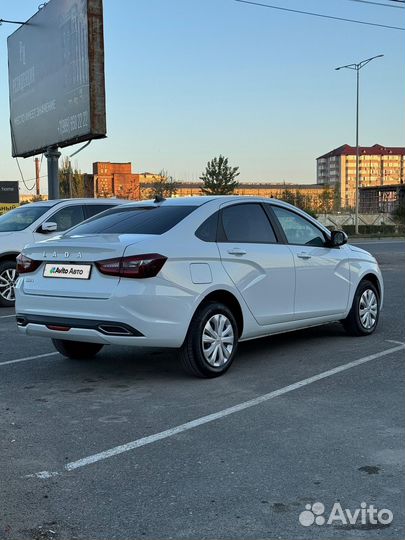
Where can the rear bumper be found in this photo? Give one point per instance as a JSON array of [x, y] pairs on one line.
[[88, 335], [143, 318], [66, 324]]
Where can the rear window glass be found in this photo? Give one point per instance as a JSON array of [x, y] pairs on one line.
[[94, 209], [135, 220]]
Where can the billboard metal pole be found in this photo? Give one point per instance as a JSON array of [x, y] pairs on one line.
[[52, 156]]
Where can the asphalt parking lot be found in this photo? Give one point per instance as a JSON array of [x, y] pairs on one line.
[[318, 417]]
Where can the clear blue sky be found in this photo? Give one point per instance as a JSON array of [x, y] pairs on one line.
[[190, 79]]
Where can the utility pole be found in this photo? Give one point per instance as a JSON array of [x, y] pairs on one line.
[[37, 179], [357, 68], [70, 180], [52, 155]]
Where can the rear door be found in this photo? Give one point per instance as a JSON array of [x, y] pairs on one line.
[[261, 268], [322, 272]]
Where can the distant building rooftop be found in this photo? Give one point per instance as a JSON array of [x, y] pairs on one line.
[[375, 150]]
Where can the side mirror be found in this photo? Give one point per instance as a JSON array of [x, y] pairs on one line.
[[48, 227], [338, 238]]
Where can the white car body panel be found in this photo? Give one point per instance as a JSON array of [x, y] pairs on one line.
[[276, 291], [266, 271], [322, 281]]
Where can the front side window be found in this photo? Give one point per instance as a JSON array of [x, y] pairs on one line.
[[67, 217], [22, 217], [297, 229], [247, 223], [134, 220]]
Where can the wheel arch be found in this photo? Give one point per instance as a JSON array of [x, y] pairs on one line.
[[228, 299], [8, 256], [374, 280]]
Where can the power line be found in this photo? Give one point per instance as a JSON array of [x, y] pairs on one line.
[[394, 6], [323, 16], [26, 179], [22, 176]]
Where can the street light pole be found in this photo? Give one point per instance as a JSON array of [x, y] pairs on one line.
[[357, 68], [356, 209]]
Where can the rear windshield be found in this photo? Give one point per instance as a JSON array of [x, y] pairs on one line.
[[134, 220], [21, 218]]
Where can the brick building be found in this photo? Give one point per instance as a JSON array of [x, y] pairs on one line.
[[115, 180]]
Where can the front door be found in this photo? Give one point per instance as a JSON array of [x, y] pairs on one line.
[[322, 272]]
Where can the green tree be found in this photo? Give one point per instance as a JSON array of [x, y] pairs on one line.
[[326, 199], [287, 196], [162, 185], [219, 177], [337, 203], [71, 181]]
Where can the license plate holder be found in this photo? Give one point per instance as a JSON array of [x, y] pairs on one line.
[[67, 271]]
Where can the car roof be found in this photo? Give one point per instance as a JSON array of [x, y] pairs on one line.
[[54, 202], [195, 200], [200, 200]]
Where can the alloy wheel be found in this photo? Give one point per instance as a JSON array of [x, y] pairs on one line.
[[7, 281]]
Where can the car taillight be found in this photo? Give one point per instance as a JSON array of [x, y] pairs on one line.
[[134, 266], [26, 265]]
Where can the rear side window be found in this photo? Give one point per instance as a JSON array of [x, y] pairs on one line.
[[207, 231], [94, 209], [134, 220], [247, 223], [67, 217]]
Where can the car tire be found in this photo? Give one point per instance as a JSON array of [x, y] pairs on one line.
[[77, 350], [365, 311], [8, 276], [211, 342]]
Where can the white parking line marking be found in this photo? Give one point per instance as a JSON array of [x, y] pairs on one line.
[[27, 358], [6, 316], [212, 417]]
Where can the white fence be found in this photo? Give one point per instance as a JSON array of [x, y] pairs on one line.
[[340, 220]]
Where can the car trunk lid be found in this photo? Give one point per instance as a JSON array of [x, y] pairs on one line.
[[79, 253]]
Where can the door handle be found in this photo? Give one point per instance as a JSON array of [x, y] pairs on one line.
[[236, 251], [303, 255]]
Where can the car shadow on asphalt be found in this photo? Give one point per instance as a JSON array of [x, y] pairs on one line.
[[163, 364]]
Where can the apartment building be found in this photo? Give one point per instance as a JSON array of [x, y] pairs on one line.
[[378, 166]]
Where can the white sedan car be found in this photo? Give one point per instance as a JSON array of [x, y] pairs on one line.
[[34, 222], [199, 274]]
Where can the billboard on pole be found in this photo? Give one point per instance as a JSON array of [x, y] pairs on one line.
[[56, 77]]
